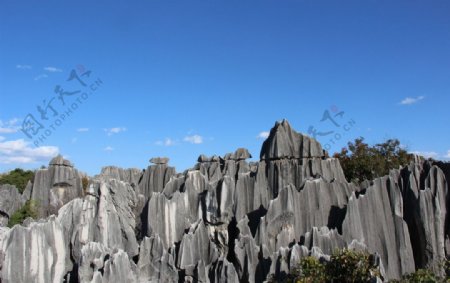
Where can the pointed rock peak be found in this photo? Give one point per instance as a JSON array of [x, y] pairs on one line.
[[239, 154], [284, 142], [159, 160], [60, 161]]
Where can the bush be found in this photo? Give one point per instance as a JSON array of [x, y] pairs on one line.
[[363, 162], [30, 209], [311, 270], [344, 266], [85, 183], [18, 177], [351, 266]]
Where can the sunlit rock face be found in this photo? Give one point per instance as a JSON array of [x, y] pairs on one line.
[[227, 219], [55, 186]]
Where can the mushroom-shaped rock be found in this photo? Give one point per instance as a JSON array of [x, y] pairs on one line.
[[159, 160], [60, 161]]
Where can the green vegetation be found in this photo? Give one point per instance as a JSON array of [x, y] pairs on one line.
[[85, 183], [344, 266], [363, 162], [352, 266], [310, 270], [426, 275], [18, 177], [30, 209]]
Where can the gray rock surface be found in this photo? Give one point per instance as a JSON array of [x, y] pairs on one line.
[[131, 176], [55, 186], [225, 219], [34, 254], [10, 201], [155, 177]]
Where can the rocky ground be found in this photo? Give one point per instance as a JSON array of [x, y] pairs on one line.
[[224, 220]]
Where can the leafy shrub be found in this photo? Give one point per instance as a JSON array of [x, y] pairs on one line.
[[311, 270], [18, 177], [363, 162], [344, 266], [351, 266], [30, 209]]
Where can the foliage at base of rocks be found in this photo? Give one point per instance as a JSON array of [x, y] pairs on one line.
[[28, 210], [344, 266]]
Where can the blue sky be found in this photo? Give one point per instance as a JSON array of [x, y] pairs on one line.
[[181, 78]]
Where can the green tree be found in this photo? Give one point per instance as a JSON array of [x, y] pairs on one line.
[[30, 209], [18, 177], [363, 162]]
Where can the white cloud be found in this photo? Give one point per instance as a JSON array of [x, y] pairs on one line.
[[194, 139], [426, 154], [83, 130], [115, 130], [448, 154], [23, 67], [166, 142], [108, 148], [41, 76], [20, 151], [9, 126], [52, 69], [263, 135], [411, 100]]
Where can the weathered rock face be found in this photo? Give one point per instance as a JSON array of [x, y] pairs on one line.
[[34, 254], [131, 176], [55, 186], [10, 202], [156, 176], [226, 220], [376, 219]]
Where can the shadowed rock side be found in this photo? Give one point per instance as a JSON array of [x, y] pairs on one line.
[[225, 220]]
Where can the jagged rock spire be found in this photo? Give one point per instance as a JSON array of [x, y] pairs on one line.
[[284, 142]]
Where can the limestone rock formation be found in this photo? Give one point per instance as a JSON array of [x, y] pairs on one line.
[[55, 186], [226, 219], [10, 202]]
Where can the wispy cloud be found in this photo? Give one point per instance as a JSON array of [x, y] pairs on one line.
[[53, 70], [263, 135], [81, 130], [21, 152], [411, 100], [2, 138], [194, 139], [426, 154], [9, 127], [23, 67], [166, 142], [108, 148], [40, 77], [115, 130]]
